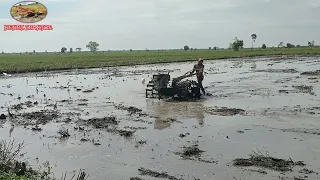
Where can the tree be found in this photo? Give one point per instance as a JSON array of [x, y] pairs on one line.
[[63, 49], [281, 44], [210, 48], [264, 46], [78, 49], [215, 48], [298, 46], [34, 51], [186, 48], [71, 50], [253, 37], [92, 46], [236, 44], [310, 44], [289, 45], [130, 50]]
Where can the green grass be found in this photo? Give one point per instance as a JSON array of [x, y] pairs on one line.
[[19, 63]]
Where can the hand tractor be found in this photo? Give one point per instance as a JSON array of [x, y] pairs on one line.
[[160, 87]]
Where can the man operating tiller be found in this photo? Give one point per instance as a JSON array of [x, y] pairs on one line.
[[199, 69]]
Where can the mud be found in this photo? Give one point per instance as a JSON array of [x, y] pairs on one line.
[[151, 173], [193, 153], [303, 130], [311, 73], [2, 116], [225, 111], [304, 89], [278, 70], [104, 122], [35, 118], [266, 161], [101, 121], [64, 132], [136, 178], [130, 109]]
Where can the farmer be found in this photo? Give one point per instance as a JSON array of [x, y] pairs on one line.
[[198, 68]]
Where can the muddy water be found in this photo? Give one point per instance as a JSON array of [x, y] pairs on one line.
[[281, 119]]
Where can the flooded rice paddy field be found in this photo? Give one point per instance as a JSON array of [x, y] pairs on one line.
[[261, 122]]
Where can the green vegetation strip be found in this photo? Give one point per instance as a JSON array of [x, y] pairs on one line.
[[36, 62]]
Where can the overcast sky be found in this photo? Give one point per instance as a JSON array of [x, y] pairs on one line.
[[161, 24]]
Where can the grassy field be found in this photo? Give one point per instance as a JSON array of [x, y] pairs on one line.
[[19, 63]]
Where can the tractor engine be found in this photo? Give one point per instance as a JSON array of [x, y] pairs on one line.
[[159, 88]]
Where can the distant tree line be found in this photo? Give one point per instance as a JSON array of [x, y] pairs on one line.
[[235, 45]]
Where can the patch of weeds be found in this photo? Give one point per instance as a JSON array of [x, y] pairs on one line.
[[302, 130], [64, 132], [151, 173], [66, 100], [9, 166], [193, 153], [136, 178], [89, 90], [307, 171], [38, 117], [134, 128], [130, 109], [261, 171], [17, 107], [122, 132], [102, 122], [311, 73], [140, 143], [170, 119], [110, 124], [190, 151], [36, 128], [304, 89], [84, 139], [266, 161], [225, 111], [183, 135], [278, 70], [81, 175]]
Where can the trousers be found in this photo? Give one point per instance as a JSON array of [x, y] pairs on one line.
[[200, 79]]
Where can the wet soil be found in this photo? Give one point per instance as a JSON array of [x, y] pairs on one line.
[[38, 117], [278, 70], [100, 120], [2, 116], [311, 73], [193, 153], [151, 173], [225, 111], [266, 161]]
